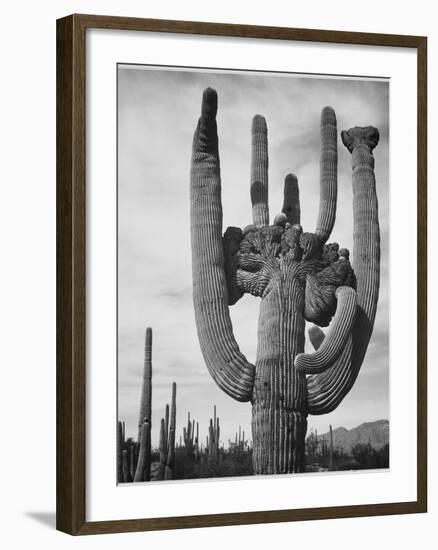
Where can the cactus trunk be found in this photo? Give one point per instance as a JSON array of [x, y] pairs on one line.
[[125, 466], [331, 449], [279, 417], [131, 462], [163, 449], [142, 472]]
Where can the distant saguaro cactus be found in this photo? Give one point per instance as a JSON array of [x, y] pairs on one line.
[[170, 459], [125, 466], [331, 449], [120, 443], [167, 440], [297, 276], [189, 437], [145, 415], [213, 436], [131, 462]]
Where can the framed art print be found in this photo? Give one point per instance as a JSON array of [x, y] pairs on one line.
[[241, 274]]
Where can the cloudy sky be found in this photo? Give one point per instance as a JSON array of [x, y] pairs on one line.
[[157, 114]]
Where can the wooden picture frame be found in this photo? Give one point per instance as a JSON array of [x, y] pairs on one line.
[[71, 273]]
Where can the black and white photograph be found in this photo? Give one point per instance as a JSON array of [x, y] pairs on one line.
[[252, 274]]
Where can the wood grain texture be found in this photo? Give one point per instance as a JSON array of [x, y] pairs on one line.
[[70, 171], [71, 517], [422, 274]]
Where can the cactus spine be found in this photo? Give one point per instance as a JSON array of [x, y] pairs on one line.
[[297, 276]]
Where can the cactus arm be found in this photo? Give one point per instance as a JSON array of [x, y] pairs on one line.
[[291, 201], [337, 335], [326, 390], [259, 172], [328, 175], [226, 364], [316, 337], [320, 301]]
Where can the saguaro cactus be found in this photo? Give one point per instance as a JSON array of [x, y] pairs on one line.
[[125, 466], [120, 444], [298, 277], [331, 449], [145, 415], [167, 440], [132, 462], [170, 461], [189, 437], [213, 436]]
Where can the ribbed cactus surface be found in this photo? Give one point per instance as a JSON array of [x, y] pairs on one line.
[[142, 472], [259, 171], [145, 414], [297, 276], [328, 174], [337, 335], [213, 436], [146, 390]]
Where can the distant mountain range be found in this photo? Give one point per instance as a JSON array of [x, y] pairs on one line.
[[376, 433]]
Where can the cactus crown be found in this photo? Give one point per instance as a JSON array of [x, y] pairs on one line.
[[256, 258]]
